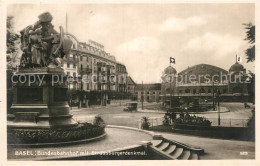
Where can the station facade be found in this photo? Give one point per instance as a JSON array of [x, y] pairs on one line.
[[202, 81]]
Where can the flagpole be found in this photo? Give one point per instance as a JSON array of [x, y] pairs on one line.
[[142, 96], [66, 22]]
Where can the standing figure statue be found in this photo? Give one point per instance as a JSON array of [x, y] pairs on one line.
[[42, 44], [38, 48]]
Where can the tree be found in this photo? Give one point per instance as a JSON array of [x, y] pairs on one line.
[[12, 45], [250, 36], [251, 87], [250, 53], [12, 58]]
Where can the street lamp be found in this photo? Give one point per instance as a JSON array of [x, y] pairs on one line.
[[213, 93], [218, 97], [142, 96], [81, 89]]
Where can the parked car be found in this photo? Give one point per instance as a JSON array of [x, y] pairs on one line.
[[131, 106]]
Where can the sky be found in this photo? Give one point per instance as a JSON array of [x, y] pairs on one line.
[[145, 36]]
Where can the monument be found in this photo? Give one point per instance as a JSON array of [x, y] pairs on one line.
[[40, 111]]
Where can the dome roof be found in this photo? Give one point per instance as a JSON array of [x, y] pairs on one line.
[[169, 70], [237, 67]]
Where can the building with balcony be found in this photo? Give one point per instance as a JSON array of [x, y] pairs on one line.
[[94, 70], [121, 74], [70, 66]]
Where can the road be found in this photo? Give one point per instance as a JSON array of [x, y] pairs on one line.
[[214, 148], [113, 115], [236, 117]]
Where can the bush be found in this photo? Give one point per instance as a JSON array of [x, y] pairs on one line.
[[145, 123], [98, 121], [193, 120], [251, 121], [82, 131], [166, 120]]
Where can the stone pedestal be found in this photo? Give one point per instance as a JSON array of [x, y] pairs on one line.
[[40, 99]]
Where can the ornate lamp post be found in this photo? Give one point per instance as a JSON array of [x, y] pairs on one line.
[[142, 96], [213, 96], [218, 98]]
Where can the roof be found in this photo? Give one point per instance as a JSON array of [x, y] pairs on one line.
[[215, 68], [130, 81], [148, 87], [119, 63], [169, 70], [236, 67]]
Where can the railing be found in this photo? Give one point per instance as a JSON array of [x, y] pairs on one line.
[[214, 122], [229, 122], [157, 121], [95, 51]]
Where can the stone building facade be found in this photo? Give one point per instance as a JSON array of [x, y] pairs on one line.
[[93, 69], [202, 80], [148, 92]]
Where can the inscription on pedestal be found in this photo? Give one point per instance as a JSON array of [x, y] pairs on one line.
[[26, 117], [30, 95]]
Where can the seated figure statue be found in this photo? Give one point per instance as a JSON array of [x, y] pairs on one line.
[[42, 44]]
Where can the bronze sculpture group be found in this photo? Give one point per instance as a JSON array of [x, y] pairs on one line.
[[42, 44]]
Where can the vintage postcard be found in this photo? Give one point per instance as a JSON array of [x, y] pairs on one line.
[[150, 82]]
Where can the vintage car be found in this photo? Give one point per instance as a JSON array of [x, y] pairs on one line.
[[131, 106]]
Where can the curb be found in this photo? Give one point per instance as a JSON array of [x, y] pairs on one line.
[[58, 143], [158, 136], [151, 133], [144, 143], [86, 109]]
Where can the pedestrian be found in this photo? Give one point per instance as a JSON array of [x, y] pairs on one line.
[[172, 117], [181, 114]]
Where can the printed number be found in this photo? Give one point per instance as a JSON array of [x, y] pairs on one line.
[[244, 153]]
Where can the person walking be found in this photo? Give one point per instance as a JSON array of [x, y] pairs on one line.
[[172, 117]]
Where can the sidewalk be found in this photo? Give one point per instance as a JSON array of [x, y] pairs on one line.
[[217, 149], [116, 138]]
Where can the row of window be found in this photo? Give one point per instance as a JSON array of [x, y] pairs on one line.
[[68, 65], [74, 74], [148, 98], [202, 91], [81, 58], [121, 68], [148, 93], [194, 91], [81, 67], [96, 87]]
